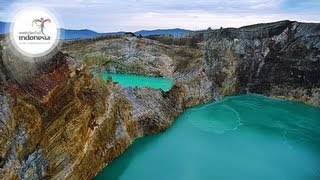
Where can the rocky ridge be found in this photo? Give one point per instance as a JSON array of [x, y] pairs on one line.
[[280, 59], [59, 119]]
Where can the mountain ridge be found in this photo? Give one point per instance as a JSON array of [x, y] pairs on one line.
[[69, 34]]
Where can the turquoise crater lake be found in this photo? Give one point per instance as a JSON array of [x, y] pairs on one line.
[[240, 137], [128, 80]]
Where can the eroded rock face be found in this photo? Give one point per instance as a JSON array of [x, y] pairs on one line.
[[61, 122], [124, 55], [279, 59], [58, 121]]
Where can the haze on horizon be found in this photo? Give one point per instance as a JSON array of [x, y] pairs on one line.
[[133, 15]]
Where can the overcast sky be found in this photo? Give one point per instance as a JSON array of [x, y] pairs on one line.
[[132, 15]]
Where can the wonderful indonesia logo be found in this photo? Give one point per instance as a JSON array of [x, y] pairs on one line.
[[36, 35], [34, 32]]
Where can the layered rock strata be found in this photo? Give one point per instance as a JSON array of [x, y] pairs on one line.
[[58, 121]]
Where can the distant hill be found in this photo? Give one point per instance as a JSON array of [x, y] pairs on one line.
[[4, 27], [83, 34], [174, 32], [78, 34], [86, 33]]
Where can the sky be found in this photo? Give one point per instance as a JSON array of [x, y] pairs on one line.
[[133, 15]]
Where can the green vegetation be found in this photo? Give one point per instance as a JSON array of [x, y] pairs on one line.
[[154, 55], [264, 25], [192, 41]]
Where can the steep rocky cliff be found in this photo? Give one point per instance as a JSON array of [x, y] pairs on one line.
[[58, 121], [278, 59], [133, 55], [57, 118]]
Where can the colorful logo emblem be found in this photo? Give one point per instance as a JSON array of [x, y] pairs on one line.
[[40, 23], [34, 32]]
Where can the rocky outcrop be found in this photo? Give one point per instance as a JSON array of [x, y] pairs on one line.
[[125, 55], [278, 59], [58, 121]]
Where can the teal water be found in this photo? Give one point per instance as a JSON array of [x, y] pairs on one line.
[[128, 80], [242, 137]]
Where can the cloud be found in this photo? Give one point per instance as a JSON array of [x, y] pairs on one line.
[[203, 20], [131, 15], [213, 5]]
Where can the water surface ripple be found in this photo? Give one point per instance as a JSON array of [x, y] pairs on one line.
[[241, 137]]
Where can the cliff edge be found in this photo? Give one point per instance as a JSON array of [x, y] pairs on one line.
[[58, 121]]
